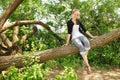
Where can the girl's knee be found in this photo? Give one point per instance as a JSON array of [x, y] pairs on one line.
[[85, 53]]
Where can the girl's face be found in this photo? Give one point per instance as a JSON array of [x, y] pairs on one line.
[[76, 15]]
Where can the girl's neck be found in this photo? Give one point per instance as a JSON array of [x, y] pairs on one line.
[[74, 21]]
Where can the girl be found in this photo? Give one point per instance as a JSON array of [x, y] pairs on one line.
[[75, 33]]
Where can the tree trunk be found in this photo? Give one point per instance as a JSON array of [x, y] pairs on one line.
[[6, 61], [8, 11]]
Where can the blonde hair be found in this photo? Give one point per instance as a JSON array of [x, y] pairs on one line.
[[74, 10]]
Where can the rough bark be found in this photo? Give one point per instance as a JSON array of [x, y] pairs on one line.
[[6, 61], [8, 11], [24, 22]]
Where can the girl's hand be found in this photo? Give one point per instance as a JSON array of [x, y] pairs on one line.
[[64, 44], [94, 37]]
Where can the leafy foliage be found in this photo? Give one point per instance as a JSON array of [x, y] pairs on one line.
[[98, 16]]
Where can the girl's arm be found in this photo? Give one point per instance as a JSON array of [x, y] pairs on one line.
[[67, 40]]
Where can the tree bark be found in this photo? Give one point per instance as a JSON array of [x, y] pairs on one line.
[[24, 22], [6, 61], [8, 11]]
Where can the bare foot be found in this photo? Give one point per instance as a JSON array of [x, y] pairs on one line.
[[88, 70]]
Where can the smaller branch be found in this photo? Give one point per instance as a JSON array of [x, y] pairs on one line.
[[2, 47], [6, 40], [26, 36], [23, 39], [15, 33], [3, 53]]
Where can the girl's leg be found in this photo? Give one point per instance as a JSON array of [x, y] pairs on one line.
[[83, 52], [86, 62], [86, 44], [87, 52]]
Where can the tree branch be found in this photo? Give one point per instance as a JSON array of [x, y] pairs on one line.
[[2, 47], [8, 11], [26, 36], [24, 22]]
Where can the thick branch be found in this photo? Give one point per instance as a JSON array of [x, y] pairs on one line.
[[71, 49], [8, 11], [6, 61], [24, 22]]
